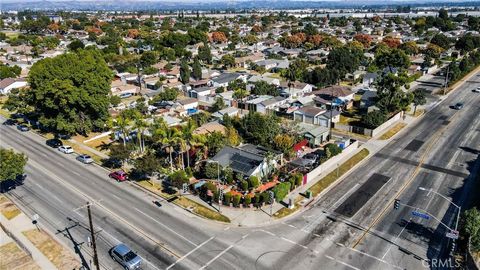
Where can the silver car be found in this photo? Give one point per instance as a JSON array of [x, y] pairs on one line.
[[126, 257], [85, 159]]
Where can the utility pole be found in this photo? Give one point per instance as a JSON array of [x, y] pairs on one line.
[[92, 233], [331, 116], [446, 81]]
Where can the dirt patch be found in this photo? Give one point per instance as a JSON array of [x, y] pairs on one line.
[[14, 258], [391, 132], [54, 251], [8, 209]]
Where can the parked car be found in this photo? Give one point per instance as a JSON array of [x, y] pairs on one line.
[[85, 159], [54, 143], [119, 175], [122, 254], [125, 95], [10, 122], [458, 106], [7, 185], [66, 149], [23, 128]]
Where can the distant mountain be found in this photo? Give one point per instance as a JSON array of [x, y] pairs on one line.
[[214, 4]]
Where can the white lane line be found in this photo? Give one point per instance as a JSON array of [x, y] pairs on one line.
[[74, 172], [288, 240], [191, 251], [344, 263], [227, 228], [354, 188], [216, 257], [166, 227], [51, 194]]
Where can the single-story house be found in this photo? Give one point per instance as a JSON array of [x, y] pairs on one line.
[[210, 127], [201, 92], [188, 103], [225, 78], [230, 111], [7, 84], [316, 135], [368, 99], [248, 160], [270, 104], [295, 89], [369, 78]]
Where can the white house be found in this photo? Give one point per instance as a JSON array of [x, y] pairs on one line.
[[7, 84]]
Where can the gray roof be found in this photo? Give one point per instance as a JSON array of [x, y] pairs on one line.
[[369, 95], [239, 160], [272, 101], [226, 77]]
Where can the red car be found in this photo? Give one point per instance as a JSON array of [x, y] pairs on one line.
[[120, 175]]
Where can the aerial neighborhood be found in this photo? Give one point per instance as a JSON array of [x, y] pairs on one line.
[[222, 114]]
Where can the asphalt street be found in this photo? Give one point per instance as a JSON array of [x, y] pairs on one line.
[[440, 151]]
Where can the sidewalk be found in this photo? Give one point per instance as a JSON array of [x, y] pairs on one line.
[[15, 227], [89, 149]]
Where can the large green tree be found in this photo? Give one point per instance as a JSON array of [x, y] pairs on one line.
[[11, 163], [390, 93], [184, 72], [196, 69], [70, 92]]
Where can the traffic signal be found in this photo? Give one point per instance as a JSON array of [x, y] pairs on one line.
[[396, 204]]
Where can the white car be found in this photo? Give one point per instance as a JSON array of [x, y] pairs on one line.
[[67, 149], [476, 90], [85, 159]]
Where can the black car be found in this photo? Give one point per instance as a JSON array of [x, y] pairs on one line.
[[458, 106], [20, 179], [7, 185], [54, 143], [10, 122]]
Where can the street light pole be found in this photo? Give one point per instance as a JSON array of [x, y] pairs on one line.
[[447, 199]]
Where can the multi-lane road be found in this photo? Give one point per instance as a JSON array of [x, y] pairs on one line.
[[352, 226]]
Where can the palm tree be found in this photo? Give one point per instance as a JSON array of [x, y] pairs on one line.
[[122, 125], [169, 139], [240, 94], [187, 134], [140, 125]]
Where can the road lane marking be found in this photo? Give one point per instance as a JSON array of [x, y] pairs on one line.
[[73, 188], [191, 251], [166, 227], [216, 257], [344, 263]]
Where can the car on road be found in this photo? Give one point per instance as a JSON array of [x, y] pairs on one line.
[[10, 122], [85, 159], [119, 175], [66, 149], [20, 179], [23, 128], [458, 106], [7, 185], [54, 143], [122, 254], [476, 90]]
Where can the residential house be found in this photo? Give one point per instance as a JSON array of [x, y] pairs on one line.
[[334, 96], [248, 160], [244, 62], [271, 104], [209, 128], [225, 78], [253, 103], [230, 111], [295, 89], [118, 87], [369, 78], [201, 92], [188, 104], [314, 134], [7, 84], [274, 64]]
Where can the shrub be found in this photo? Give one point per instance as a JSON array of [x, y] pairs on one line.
[[228, 174], [247, 200], [236, 200], [333, 149], [227, 198], [292, 183], [298, 179], [264, 197], [281, 190], [253, 181], [244, 185], [189, 171], [211, 170], [257, 199], [178, 178], [211, 186]]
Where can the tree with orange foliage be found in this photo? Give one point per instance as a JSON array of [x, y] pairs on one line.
[[257, 28], [93, 29], [365, 39], [54, 27], [316, 40], [391, 42], [219, 37], [133, 33]]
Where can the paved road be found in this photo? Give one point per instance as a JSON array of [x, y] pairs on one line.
[[442, 158]]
